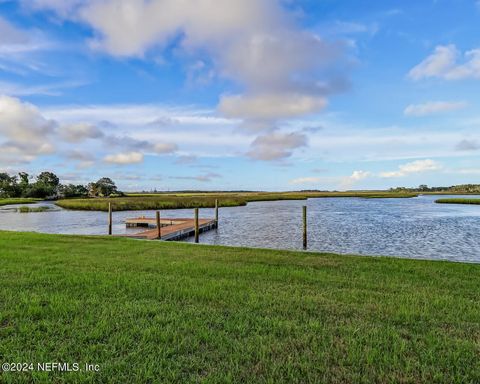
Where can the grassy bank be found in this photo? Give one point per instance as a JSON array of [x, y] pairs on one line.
[[173, 312], [458, 201], [17, 201], [205, 200]]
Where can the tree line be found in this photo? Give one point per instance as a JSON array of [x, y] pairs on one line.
[[47, 186], [462, 188]]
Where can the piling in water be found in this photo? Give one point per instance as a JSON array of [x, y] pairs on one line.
[[197, 228], [109, 218], [159, 225], [304, 227], [216, 213]]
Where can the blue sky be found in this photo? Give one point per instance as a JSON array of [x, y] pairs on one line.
[[251, 94]]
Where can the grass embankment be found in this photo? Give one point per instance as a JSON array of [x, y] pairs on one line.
[[174, 312], [205, 200], [458, 201], [18, 201]]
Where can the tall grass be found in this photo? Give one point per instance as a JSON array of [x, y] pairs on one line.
[[26, 209], [12, 201], [206, 200], [146, 203]]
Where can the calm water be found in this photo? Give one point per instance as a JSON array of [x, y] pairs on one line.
[[413, 228]]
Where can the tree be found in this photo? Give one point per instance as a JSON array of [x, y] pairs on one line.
[[103, 187], [8, 186], [48, 179], [71, 190], [46, 185], [23, 180], [423, 187], [92, 190]]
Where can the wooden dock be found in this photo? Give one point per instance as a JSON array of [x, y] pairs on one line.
[[171, 229]]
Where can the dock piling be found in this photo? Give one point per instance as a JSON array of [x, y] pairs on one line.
[[109, 218], [197, 229], [304, 227], [159, 225], [216, 213]]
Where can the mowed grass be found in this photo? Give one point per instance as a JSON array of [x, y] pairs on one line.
[[458, 201], [159, 312], [205, 200], [17, 201]]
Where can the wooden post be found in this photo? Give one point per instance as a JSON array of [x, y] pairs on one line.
[[197, 229], [109, 218], [159, 225], [304, 227], [216, 213]]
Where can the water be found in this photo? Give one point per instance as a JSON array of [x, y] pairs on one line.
[[412, 228]]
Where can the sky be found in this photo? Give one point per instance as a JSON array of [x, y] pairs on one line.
[[242, 94]]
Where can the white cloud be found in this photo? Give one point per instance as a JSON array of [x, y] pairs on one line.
[[75, 133], [19, 48], [25, 132], [125, 158], [359, 175], [144, 146], [83, 158], [146, 125], [271, 107], [276, 145], [433, 107], [342, 182], [468, 171], [283, 70], [10, 35], [342, 27], [154, 116], [63, 7], [356, 176], [444, 63], [163, 148], [417, 166], [467, 145], [54, 89], [14, 89], [204, 178], [307, 180]]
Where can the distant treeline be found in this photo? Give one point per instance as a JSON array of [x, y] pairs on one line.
[[47, 186], [462, 188], [193, 191]]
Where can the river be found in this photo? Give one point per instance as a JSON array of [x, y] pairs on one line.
[[411, 228]]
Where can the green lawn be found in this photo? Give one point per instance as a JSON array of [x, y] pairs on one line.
[[158, 312], [17, 201]]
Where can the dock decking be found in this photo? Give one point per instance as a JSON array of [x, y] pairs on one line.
[[171, 229]]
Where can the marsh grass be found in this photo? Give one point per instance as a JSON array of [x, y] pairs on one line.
[[206, 200], [148, 202], [151, 312], [17, 201], [26, 209]]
